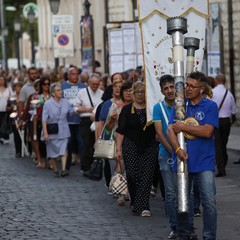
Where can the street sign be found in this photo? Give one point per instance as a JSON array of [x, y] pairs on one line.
[[63, 40], [27, 7], [62, 29]]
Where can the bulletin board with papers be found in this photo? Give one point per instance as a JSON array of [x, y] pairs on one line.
[[125, 47]]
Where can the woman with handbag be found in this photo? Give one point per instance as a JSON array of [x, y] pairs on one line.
[[107, 124], [55, 128], [137, 146]]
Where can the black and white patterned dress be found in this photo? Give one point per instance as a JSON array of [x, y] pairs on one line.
[[140, 151]]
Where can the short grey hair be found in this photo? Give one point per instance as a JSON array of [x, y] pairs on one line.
[[94, 75], [53, 86]]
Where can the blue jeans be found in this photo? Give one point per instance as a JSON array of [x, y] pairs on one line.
[[205, 181], [169, 180]]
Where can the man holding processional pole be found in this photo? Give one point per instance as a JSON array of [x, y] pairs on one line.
[[199, 152], [164, 54]]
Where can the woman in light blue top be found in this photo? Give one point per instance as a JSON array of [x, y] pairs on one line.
[[55, 110]]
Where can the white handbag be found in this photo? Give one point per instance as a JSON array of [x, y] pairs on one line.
[[105, 148]]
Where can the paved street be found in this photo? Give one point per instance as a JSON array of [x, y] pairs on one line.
[[35, 205]]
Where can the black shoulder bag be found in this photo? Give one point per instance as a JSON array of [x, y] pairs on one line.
[[220, 106], [90, 99], [52, 128]]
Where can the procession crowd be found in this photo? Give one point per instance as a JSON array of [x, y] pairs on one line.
[[61, 117]]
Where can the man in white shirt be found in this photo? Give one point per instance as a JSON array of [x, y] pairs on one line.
[[227, 115], [87, 99]]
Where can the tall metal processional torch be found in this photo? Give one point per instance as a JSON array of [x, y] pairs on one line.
[[191, 44], [177, 26]]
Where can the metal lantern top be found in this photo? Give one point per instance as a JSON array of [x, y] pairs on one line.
[[176, 24], [191, 42], [17, 25], [54, 5], [31, 15]]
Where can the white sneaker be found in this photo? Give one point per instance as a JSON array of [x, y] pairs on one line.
[[146, 213], [153, 192], [173, 235]]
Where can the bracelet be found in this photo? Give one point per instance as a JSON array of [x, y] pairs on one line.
[[177, 149]]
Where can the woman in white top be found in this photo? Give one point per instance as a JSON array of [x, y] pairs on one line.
[[4, 109]]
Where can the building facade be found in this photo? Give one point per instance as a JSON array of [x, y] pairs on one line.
[[105, 11]]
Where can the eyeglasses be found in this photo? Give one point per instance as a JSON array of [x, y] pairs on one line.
[[127, 91], [190, 86], [117, 87], [45, 84], [95, 84], [139, 92]]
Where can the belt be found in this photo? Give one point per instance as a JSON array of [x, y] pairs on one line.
[[85, 118], [225, 118]]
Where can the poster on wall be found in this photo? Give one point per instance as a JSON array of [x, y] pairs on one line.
[[116, 63], [87, 46], [213, 63], [214, 46], [116, 42]]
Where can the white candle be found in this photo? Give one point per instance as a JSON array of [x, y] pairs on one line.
[[178, 53]]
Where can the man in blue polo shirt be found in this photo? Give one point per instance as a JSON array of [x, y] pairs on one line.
[[200, 152], [70, 90]]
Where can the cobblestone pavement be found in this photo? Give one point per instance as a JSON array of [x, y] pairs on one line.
[[35, 205]]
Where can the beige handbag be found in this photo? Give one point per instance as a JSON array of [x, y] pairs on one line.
[[118, 183], [105, 148]]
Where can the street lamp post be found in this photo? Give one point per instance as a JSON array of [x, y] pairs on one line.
[[17, 29], [3, 35], [4, 39], [31, 18], [54, 5]]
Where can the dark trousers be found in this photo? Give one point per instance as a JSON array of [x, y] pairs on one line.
[[107, 172], [88, 138], [221, 139], [75, 139], [17, 141], [2, 116]]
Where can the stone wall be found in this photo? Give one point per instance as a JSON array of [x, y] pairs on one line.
[[236, 45]]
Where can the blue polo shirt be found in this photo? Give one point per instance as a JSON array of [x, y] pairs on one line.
[[159, 117], [201, 151]]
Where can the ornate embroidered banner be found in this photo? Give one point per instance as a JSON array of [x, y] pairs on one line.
[[157, 44]]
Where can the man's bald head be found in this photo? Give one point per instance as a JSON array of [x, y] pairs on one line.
[[220, 79]]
